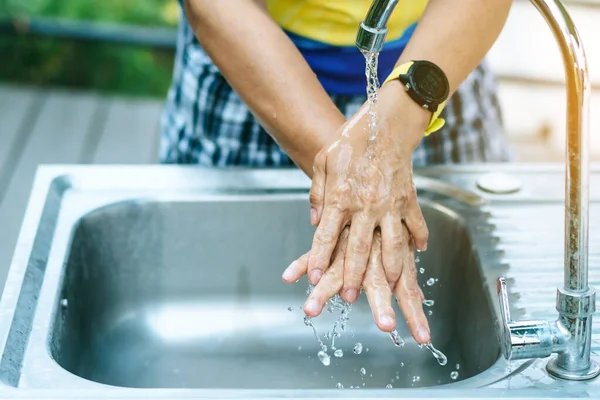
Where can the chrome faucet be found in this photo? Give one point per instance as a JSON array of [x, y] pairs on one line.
[[569, 337]]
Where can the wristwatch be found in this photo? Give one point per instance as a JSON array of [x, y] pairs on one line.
[[427, 85]]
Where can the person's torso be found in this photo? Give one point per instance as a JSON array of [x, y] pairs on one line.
[[335, 22], [324, 32]]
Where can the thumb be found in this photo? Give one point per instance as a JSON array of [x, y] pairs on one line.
[[317, 189]]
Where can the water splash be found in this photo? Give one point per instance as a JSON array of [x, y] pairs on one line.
[[416, 379], [339, 326], [338, 353], [357, 348], [389, 386], [339, 385]]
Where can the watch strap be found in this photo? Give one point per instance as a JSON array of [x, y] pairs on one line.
[[436, 123]]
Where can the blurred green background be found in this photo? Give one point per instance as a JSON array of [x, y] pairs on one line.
[[104, 66]]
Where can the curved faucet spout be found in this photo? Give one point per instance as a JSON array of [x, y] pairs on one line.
[[570, 336]]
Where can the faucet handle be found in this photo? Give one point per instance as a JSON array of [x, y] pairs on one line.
[[527, 339], [504, 329], [503, 300]]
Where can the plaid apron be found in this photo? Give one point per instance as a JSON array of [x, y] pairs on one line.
[[205, 122]]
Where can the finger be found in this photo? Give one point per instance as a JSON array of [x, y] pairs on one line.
[[416, 224], [324, 241], [378, 290], [410, 301], [317, 188], [357, 256], [393, 246], [329, 285], [296, 269]]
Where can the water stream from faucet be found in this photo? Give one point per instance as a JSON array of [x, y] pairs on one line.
[[371, 63]]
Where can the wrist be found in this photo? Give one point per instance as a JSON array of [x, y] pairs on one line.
[[404, 118]]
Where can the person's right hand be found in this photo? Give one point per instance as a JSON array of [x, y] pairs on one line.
[[376, 286]]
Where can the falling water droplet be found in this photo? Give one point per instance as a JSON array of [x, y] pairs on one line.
[[454, 375], [439, 356], [396, 338], [416, 379], [324, 358], [430, 312], [428, 303], [339, 385], [290, 308], [299, 348], [417, 259], [457, 366], [402, 364], [357, 348], [363, 371], [422, 270], [430, 282], [64, 303], [338, 353], [389, 386]]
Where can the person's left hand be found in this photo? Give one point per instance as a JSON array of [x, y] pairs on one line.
[[367, 184]]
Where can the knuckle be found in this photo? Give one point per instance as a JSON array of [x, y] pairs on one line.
[[360, 246], [324, 237], [396, 240], [413, 293], [314, 196]]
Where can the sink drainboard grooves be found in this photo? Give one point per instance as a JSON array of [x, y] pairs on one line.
[[20, 329]]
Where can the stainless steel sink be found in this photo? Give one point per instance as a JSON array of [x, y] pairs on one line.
[[163, 281], [172, 293]]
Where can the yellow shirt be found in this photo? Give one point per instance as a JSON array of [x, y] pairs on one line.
[[336, 22]]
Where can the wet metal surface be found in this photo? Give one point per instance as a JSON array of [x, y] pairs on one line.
[[168, 278]]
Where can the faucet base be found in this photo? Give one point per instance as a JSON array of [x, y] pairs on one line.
[[590, 373]]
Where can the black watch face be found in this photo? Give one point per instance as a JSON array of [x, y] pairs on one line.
[[430, 82]]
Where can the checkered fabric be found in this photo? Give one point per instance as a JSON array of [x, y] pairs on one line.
[[205, 122]]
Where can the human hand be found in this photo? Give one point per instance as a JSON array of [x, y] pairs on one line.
[[367, 184], [379, 293]]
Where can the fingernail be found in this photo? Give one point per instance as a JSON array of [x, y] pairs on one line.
[[315, 276], [313, 216], [385, 319], [311, 306], [424, 335], [350, 295], [289, 272]]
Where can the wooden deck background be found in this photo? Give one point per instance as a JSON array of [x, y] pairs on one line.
[[41, 126]]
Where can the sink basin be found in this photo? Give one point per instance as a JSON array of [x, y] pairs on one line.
[[165, 281], [170, 294]]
